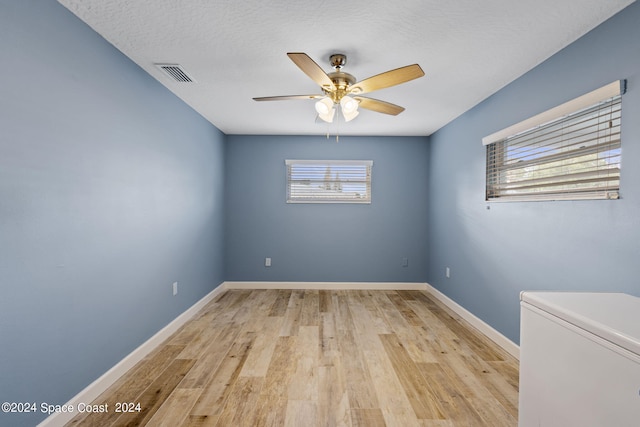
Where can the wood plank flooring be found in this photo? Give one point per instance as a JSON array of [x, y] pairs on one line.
[[319, 358]]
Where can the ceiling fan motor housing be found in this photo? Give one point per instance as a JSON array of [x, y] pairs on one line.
[[342, 81]]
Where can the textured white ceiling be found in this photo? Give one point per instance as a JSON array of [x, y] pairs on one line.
[[236, 50]]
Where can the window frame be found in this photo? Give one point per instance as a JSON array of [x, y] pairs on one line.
[[571, 152], [323, 167]]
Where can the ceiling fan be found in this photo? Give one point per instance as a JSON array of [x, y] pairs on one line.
[[341, 89]]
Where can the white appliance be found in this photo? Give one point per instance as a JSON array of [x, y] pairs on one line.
[[579, 359]]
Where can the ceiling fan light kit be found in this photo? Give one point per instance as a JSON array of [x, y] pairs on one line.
[[342, 89], [325, 109], [348, 104], [349, 107]]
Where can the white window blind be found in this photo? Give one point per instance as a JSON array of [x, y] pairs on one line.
[[328, 181], [575, 156]]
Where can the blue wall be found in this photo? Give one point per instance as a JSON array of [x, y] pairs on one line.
[[111, 189], [326, 242], [566, 245]]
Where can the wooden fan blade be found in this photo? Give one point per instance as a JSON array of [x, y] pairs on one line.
[[287, 97], [387, 79], [379, 106], [311, 69]]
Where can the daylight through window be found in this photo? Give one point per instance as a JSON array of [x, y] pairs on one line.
[[576, 156], [328, 181]]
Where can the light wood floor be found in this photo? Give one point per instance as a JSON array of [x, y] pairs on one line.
[[319, 358]]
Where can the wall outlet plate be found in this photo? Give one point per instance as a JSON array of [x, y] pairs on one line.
[[175, 288]]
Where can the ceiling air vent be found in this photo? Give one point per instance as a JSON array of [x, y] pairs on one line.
[[176, 72]]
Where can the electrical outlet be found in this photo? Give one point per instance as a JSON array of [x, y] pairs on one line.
[[267, 262], [447, 272], [405, 262], [175, 288]]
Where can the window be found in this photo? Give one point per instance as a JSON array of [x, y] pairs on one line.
[[570, 152], [328, 181]]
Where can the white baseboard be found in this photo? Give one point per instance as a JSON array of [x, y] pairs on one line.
[[384, 286], [495, 336], [96, 388]]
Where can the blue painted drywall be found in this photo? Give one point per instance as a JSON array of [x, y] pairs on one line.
[[326, 242], [566, 245], [111, 189]]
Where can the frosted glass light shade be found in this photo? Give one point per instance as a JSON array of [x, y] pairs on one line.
[[325, 110], [348, 104], [349, 108]]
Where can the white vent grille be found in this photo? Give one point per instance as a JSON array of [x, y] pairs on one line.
[[176, 72]]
